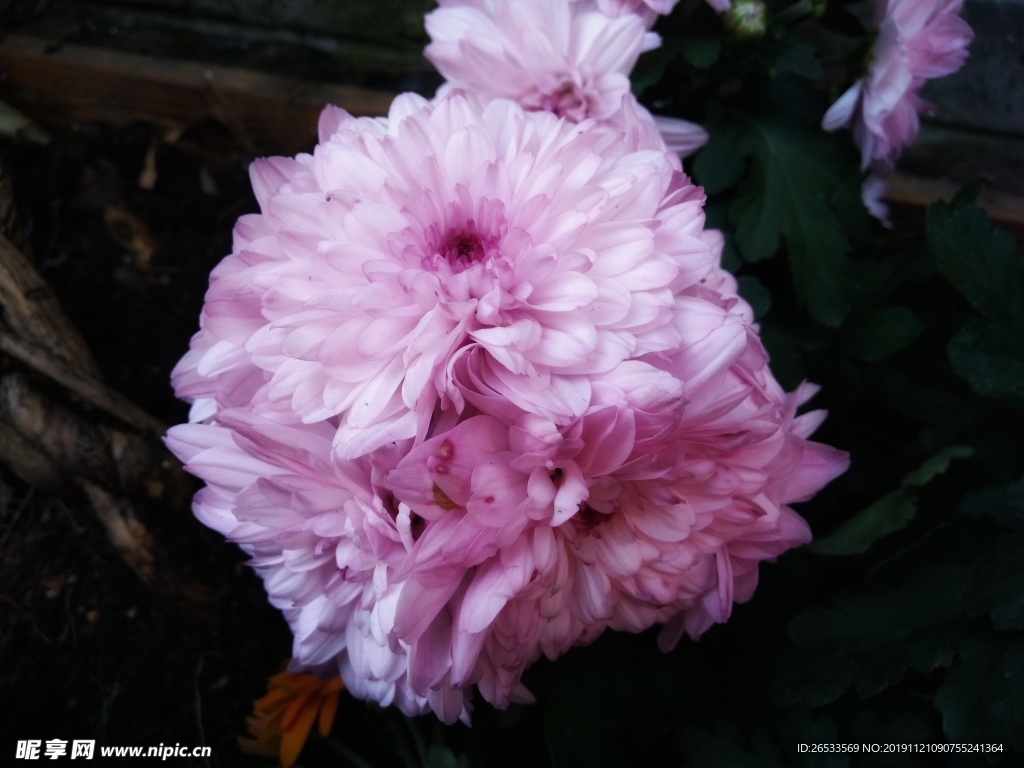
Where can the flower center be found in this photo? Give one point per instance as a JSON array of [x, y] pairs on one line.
[[565, 98], [588, 518], [462, 248]]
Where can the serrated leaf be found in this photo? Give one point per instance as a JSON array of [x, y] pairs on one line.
[[982, 699], [784, 197], [890, 513], [990, 358], [869, 641], [721, 162], [936, 465], [880, 333], [979, 261], [985, 266]]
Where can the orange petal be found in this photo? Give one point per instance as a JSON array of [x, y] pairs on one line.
[[296, 708], [328, 710], [294, 737]]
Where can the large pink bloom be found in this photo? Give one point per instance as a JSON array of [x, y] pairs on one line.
[[473, 388], [655, 506], [544, 251], [917, 40], [422, 570], [571, 59]]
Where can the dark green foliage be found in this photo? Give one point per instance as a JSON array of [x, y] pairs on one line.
[[986, 268], [890, 513], [982, 698], [867, 642]]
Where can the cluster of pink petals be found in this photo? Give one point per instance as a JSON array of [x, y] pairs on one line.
[[472, 388], [447, 242], [918, 40], [572, 59], [647, 10]]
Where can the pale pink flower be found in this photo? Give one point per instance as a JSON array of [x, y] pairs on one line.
[[655, 507], [917, 40], [571, 59], [647, 10], [325, 536], [872, 194], [513, 530], [543, 250], [473, 388]]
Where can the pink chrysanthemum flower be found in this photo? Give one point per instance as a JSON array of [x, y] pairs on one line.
[[917, 40], [544, 251], [647, 10], [570, 59], [326, 538], [654, 507], [424, 569], [473, 388]]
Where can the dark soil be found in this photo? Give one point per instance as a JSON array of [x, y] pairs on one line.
[[87, 651]]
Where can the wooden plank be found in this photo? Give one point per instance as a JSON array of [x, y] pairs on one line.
[[913, 194], [79, 84]]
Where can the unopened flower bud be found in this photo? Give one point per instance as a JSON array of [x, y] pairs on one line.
[[746, 18]]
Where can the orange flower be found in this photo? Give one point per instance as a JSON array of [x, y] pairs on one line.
[[282, 719]]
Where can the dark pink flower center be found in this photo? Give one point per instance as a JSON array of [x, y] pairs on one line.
[[567, 99], [588, 518], [462, 248]]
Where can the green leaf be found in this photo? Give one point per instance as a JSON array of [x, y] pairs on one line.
[[880, 333], [724, 744], [936, 465], [982, 699], [700, 51], [791, 177], [985, 266], [979, 261], [870, 640], [650, 69], [722, 162], [998, 586], [890, 513], [1003, 503], [759, 297], [990, 357], [799, 59], [441, 756]]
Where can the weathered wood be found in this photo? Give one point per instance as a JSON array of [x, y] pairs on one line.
[[69, 434], [86, 388], [913, 190], [383, 21], [916, 193], [32, 313], [78, 84]]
